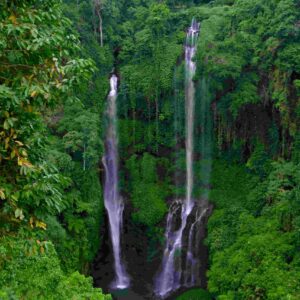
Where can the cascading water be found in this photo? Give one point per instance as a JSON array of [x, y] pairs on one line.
[[193, 263], [171, 275], [203, 209], [190, 69], [112, 199]]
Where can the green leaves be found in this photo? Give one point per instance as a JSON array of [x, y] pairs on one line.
[[39, 68], [9, 123], [250, 52], [30, 269], [81, 134], [19, 214], [147, 194], [245, 93], [254, 252]]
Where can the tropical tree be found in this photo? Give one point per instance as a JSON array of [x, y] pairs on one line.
[[39, 67]]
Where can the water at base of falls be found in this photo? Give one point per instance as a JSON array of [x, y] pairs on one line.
[[112, 199]]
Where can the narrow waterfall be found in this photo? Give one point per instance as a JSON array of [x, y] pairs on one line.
[[170, 277], [195, 233], [112, 199], [203, 209], [190, 69]]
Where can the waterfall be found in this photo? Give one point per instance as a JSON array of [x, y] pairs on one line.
[[190, 69], [193, 263], [112, 199], [170, 276]]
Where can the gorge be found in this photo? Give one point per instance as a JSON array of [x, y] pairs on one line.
[[145, 156]]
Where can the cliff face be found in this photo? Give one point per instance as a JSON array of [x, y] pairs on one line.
[[247, 65], [254, 75]]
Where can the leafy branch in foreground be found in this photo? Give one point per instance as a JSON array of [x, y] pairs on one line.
[[39, 68]]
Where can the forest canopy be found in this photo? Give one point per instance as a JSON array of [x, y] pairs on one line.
[[56, 58]]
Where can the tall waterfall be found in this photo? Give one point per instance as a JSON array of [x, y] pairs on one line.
[[170, 277], [190, 69], [112, 199]]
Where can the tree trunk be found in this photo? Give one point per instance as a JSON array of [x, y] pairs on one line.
[[84, 161], [100, 29], [149, 119], [157, 120], [98, 6]]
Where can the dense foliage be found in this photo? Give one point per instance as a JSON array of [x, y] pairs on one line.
[[55, 61], [253, 235], [46, 194], [250, 52]]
